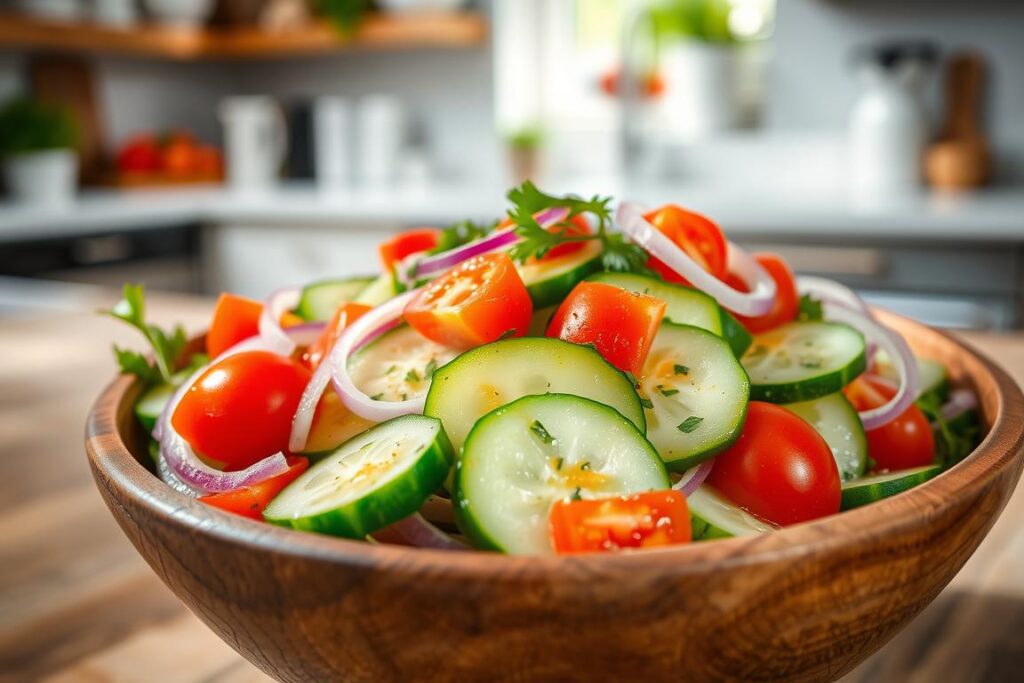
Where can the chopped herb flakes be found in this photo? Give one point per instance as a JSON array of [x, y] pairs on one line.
[[412, 376], [537, 428], [689, 424], [646, 403], [667, 392], [681, 369]]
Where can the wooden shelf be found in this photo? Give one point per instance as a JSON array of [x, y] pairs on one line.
[[377, 32]]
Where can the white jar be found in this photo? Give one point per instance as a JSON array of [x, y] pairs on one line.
[[46, 178]]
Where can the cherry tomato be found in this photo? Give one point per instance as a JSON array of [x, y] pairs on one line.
[[140, 154], [780, 469], [787, 299], [901, 444], [643, 520], [240, 410], [620, 324], [409, 242], [575, 226], [478, 301], [653, 84], [346, 314], [250, 501], [697, 235], [234, 318]]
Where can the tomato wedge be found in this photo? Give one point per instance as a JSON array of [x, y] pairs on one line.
[[780, 469], [345, 315], [234, 318], [620, 324], [787, 298], [901, 444], [250, 501], [694, 233], [409, 242], [478, 301], [643, 520]]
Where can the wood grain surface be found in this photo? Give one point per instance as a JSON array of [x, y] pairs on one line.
[[78, 603]]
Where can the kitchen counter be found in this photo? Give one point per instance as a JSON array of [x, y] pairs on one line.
[[78, 603], [777, 210]]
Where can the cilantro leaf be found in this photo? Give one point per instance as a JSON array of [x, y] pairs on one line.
[[166, 346], [537, 428], [622, 255], [689, 424], [681, 369], [953, 442], [463, 232], [529, 199], [810, 309]]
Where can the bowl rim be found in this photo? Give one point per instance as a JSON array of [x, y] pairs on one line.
[[117, 470]]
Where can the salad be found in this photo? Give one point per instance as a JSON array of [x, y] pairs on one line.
[[571, 378]]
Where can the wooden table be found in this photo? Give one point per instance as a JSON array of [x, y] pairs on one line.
[[78, 604]]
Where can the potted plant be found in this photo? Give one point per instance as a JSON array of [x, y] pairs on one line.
[[524, 147], [37, 143]]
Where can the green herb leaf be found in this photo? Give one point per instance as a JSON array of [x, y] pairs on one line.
[[529, 199], [646, 403], [689, 424], [951, 444], [621, 255], [631, 377], [559, 463], [458, 234], [391, 369], [166, 346], [507, 333], [412, 376], [537, 428], [585, 466], [377, 397], [576, 494], [681, 369], [428, 371], [667, 392], [810, 309]]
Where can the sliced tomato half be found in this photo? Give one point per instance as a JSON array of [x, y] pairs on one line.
[[642, 520]]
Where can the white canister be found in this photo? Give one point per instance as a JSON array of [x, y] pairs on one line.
[[256, 140], [702, 93], [332, 140], [381, 135], [46, 178]]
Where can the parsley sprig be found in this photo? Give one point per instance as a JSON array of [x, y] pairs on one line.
[[463, 232], [167, 346]]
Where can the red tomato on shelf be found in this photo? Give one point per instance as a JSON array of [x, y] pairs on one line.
[[251, 501], [780, 469], [405, 244], [643, 520], [234, 318], [695, 234], [140, 154], [478, 301], [787, 298], [620, 324], [901, 444], [240, 410]]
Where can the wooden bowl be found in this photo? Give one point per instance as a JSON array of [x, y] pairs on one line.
[[807, 603]]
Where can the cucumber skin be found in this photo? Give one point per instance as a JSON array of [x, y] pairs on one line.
[[734, 333], [303, 310], [554, 290], [404, 495], [810, 389], [703, 530], [855, 495]]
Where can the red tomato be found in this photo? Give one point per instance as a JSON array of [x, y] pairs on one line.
[[643, 520], [576, 226], [409, 242], [780, 469], [697, 235], [787, 299], [140, 154], [346, 314], [478, 301], [901, 444], [653, 83], [234, 318], [620, 324], [240, 410], [250, 501]]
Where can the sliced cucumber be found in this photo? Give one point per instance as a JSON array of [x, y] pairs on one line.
[[839, 424], [524, 456], [492, 375], [698, 395], [539, 321], [321, 299], [152, 402], [712, 516], [685, 306], [934, 378], [804, 361], [370, 481], [548, 282], [378, 291], [870, 489], [398, 365]]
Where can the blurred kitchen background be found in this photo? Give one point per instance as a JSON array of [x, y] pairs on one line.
[[200, 145]]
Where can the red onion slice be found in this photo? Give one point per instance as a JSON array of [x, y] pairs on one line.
[[354, 399], [414, 530], [900, 355], [831, 292], [959, 402], [694, 477], [279, 303], [758, 301], [302, 422]]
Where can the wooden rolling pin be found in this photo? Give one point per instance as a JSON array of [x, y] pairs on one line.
[[961, 157]]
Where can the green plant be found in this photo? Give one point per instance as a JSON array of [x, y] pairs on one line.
[[704, 20], [28, 125], [344, 14], [525, 138]]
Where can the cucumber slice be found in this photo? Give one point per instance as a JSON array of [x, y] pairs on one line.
[[869, 489], [379, 477], [685, 306], [378, 291], [321, 299], [539, 321], [934, 378], [803, 361], [524, 456], [398, 365], [712, 516], [548, 282], [839, 424], [492, 375], [692, 375], [152, 402]]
